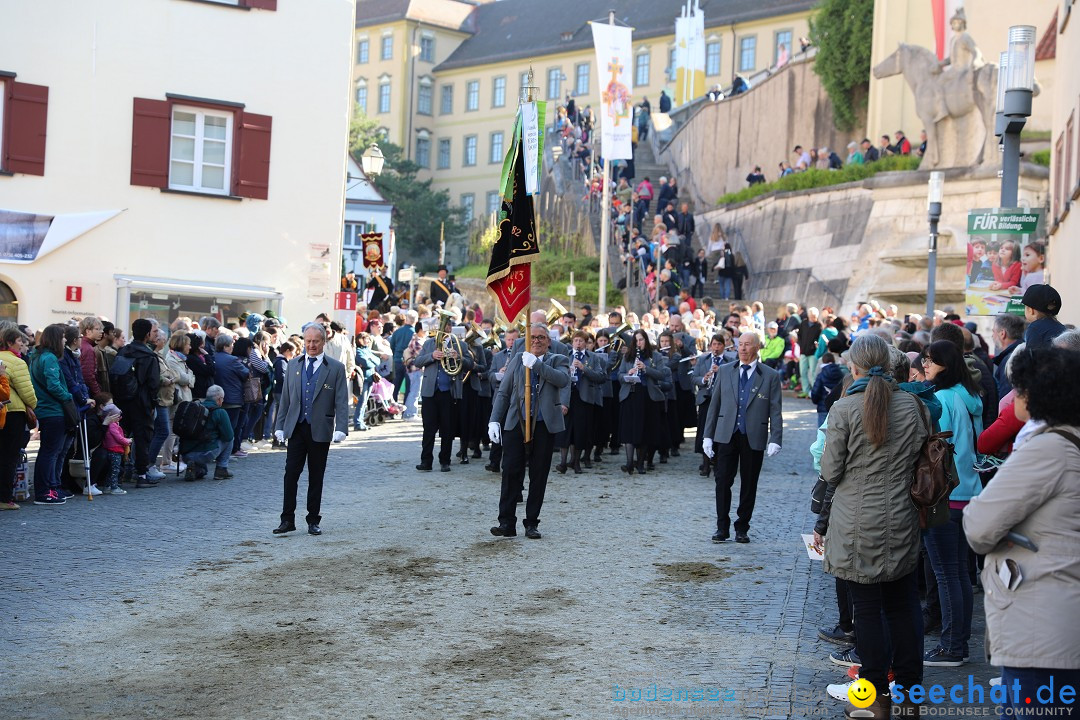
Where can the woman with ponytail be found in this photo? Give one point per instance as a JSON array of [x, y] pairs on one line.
[[872, 540]]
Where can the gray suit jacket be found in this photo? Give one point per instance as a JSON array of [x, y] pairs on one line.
[[330, 406], [656, 371], [703, 388], [499, 361], [592, 378], [764, 423], [554, 374], [427, 361]]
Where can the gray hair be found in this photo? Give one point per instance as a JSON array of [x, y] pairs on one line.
[[223, 341], [922, 337], [1068, 340], [215, 391], [867, 351], [208, 322], [1009, 362], [1011, 325], [315, 326]]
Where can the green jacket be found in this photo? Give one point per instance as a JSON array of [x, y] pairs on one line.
[[218, 429], [774, 348], [49, 384]]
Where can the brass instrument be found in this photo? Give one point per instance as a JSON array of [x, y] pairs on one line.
[[556, 312], [491, 342], [449, 343], [474, 334], [617, 344]]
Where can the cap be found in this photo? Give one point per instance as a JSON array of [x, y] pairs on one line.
[[441, 268], [773, 325], [1043, 298]]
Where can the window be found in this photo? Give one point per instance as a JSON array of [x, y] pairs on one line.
[[494, 202], [712, 58], [423, 149], [201, 150], [496, 155], [362, 51], [472, 95], [470, 151], [581, 79], [387, 52], [427, 48], [361, 95], [467, 202], [353, 231], [783, 47], [498, 92], [23, 126], [424, 100], [554, 77], [671, 69], [641, 68], [446, 100], [747, 53], [444, 154], [384, 95]]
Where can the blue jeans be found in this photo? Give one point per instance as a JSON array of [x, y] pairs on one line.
[[725, 286], [200, 460], [947, 548], [413, 394], [254, 412], [361, 404], [271, 415], [236, 417], [50, 456], [161, 433], [400, 378], [1031, 680]]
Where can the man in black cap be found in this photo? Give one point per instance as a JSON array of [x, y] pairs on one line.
[[442, 288], [586, 316], [1042, 303]]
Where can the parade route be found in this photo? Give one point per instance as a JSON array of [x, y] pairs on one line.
[[177, 602]]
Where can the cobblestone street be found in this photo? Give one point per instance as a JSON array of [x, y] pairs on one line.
[[177, 602]]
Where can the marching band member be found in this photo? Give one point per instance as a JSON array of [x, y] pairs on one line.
[[638, 398], [586, 379], [442, 394], [705, 370], [499, 361]]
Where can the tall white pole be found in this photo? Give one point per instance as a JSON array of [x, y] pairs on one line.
[[605, 215]]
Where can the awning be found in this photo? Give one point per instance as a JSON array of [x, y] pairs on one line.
[[193, 287]]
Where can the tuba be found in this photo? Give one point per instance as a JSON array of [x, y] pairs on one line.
[[449, 343], [556, 312], [617, 342]]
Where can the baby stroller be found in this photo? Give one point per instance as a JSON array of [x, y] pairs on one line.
[[381, 406]]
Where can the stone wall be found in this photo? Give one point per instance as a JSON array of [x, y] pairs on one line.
[[714, 151]]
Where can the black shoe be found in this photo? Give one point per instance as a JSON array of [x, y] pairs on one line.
[[719, 537], [504, 531], [674, 452], [741, 537], [222, 474], [704, 470], [465, 460], [837, 635], [145, 482], [284, 527], [577, 467], [663, 459], [189, 474], [598, 456], [531, 532], [587, 462], [314, 529], [476, 454], [649, 466], [561, 468], [613, 451], [423, 468], [444, 468], [491, 468]]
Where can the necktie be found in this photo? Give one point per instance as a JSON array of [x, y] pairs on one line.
[[745, 373], [310, 368]]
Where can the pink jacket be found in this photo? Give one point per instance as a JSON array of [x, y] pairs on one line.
[[114, 438]]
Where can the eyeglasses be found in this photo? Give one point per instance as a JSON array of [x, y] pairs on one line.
[[538, 337]]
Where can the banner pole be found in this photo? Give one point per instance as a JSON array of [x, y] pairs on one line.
[[605, 215]]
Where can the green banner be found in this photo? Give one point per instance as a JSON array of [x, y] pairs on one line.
[[1003, 221]]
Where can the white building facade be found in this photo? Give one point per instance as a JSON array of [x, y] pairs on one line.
[[161, 158]]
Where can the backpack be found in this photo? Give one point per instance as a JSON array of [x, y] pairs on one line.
[[122, 381], [935, 476], [189, 421]]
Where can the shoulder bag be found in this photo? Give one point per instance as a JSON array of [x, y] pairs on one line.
[[935, 475]]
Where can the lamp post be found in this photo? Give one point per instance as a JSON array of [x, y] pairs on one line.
[[1016, 82], [933, 204], [372, 161], [355, 255]]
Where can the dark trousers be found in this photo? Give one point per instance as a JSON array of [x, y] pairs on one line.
[[888, 623], [513, 474], [11, 443], [495, 460], [440, 416], [947, 547], [302, 448], [730, 458], [1031, 680], [844, 605], [702, 418], [139, 427]]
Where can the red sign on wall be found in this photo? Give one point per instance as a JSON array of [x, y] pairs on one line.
[[345, 301], [73, 293]]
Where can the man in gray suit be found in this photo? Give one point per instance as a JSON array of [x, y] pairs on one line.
[[743, 416], [442, 395], [549, 394], [314, 412], [705, 369], [499, 361]]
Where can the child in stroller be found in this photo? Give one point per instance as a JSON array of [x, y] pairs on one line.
[[381, 405]]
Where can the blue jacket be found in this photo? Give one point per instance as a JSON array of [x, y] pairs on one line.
[[280, 365], [961, 413], [366, 361], [49, 384], [829, 376], [73, 375], [230, 374], [400, 340], [1042, 332]]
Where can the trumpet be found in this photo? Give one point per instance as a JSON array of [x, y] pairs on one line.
[[449, 343]]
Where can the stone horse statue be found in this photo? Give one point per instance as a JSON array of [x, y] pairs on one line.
[[956, 106]]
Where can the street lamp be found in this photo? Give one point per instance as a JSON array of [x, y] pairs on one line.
[[372, 161], [933, 203], [355, 255], [1016, 83]]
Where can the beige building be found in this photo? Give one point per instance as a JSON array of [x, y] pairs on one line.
[[443, 77], [1064, 246], [168, 158]]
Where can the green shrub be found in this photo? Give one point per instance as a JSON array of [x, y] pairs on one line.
[[1041, 157], [815, 178]]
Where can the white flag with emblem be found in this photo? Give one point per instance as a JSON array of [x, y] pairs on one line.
[[616, 107]]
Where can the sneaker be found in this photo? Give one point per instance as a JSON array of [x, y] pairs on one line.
[[154, 474], [8, 506], [145, 481], [169, 469], [265, 445], [115, 491], [222, 473], [239, 454], [845, 658], [64, 494], [94, 491], [939, 658], [52, 498], [837, 635], [995, 681], [248, 447], [839, 691]]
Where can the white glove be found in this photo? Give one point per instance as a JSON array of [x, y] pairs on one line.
[[528, 359], [279, 435], [495, 433], [706, 446], [338, 436], [772, 449]]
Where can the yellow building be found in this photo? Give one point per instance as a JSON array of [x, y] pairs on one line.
[[443, 76], [1064, 252]]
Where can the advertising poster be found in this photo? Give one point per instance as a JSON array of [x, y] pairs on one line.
[[1006, 254]]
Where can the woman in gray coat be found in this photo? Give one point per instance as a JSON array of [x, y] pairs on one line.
[[639, 398], [1033, 596], [873, 438]]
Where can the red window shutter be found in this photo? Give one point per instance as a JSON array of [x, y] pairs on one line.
[[253, 168], [150, 131], [260, 4], [28, 110]]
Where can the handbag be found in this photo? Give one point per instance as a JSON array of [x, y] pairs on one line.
[[31, 418], [252, 387], [71, 413], [935, 476]]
